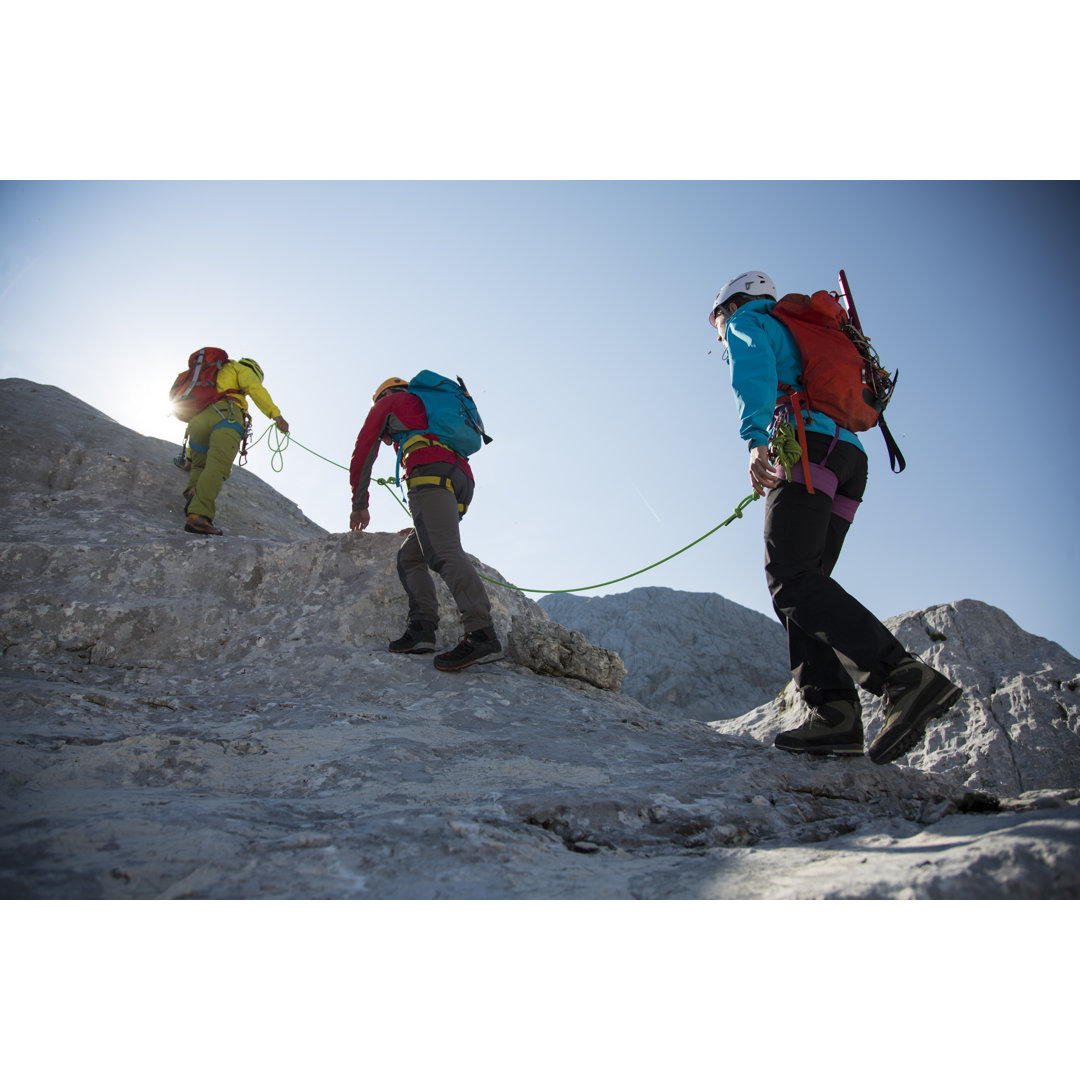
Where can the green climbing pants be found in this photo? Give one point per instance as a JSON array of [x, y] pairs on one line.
[[214, 437]]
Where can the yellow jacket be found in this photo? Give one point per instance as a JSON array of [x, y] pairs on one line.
[[238, 380]]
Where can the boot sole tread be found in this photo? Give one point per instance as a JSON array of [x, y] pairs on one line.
[[823, 751], [490, 658]]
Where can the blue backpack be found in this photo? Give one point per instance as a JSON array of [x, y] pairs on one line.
[[452, 416]]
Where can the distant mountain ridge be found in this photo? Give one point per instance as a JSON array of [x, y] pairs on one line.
[[696, 655]]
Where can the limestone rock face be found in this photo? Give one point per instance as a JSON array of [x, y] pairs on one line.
[[1017, 727], [550, 649], [219, 718], [97, 513], [70, 473], [687, 654]]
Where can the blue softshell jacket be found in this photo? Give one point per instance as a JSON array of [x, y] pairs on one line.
[[762, 353]]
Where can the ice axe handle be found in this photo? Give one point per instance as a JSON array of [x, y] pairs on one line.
[[845, 292]]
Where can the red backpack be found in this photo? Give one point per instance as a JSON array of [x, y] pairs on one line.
[[841, 374], [195, 387]]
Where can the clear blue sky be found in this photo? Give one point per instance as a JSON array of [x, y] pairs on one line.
[[576, 312]]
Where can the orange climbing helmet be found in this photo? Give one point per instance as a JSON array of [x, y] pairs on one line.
[[390, 384]]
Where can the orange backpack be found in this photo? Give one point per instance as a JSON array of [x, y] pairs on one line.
[[841, 374]]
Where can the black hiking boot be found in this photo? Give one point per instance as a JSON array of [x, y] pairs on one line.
[[834, 727], [416, 639], [476, 647], [914, 695]]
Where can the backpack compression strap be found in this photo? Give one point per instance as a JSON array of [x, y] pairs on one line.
[[895, 457]]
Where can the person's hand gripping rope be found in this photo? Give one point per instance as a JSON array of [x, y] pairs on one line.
[[764, 475]]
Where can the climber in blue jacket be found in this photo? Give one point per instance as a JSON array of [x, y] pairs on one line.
[[834, 643]]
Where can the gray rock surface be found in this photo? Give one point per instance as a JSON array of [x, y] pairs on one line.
[[97, 513], [71, 473], [687, 654], [219, 718], [1017, 727]]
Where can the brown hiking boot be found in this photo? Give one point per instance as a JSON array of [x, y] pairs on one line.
[[914, 695], [200, 525], [834, 727]]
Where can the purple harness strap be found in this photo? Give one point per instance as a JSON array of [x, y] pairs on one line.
[[826, 481]]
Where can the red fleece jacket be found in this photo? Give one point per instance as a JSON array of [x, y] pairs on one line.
[[392, 416]]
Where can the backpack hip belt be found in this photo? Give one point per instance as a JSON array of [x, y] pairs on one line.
[[241, 427]]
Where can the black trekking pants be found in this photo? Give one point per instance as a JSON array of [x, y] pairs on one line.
[[834, 642]]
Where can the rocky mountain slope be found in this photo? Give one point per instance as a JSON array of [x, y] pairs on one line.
[[698, 655], [218, 718], [1016, 728], [688, 654]]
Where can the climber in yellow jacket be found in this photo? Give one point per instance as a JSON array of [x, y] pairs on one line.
[[214, 437]]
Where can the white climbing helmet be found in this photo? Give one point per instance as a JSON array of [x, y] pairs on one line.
[[753, 282]]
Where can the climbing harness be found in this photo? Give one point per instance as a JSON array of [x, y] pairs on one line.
[[407, 445], [441, 481]]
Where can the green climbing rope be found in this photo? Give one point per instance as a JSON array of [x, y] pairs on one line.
[[284, 439], [785, 447], [738, 513], [390, 483], [277, 450]]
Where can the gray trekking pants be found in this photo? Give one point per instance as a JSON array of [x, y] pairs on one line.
[[435, 543]]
